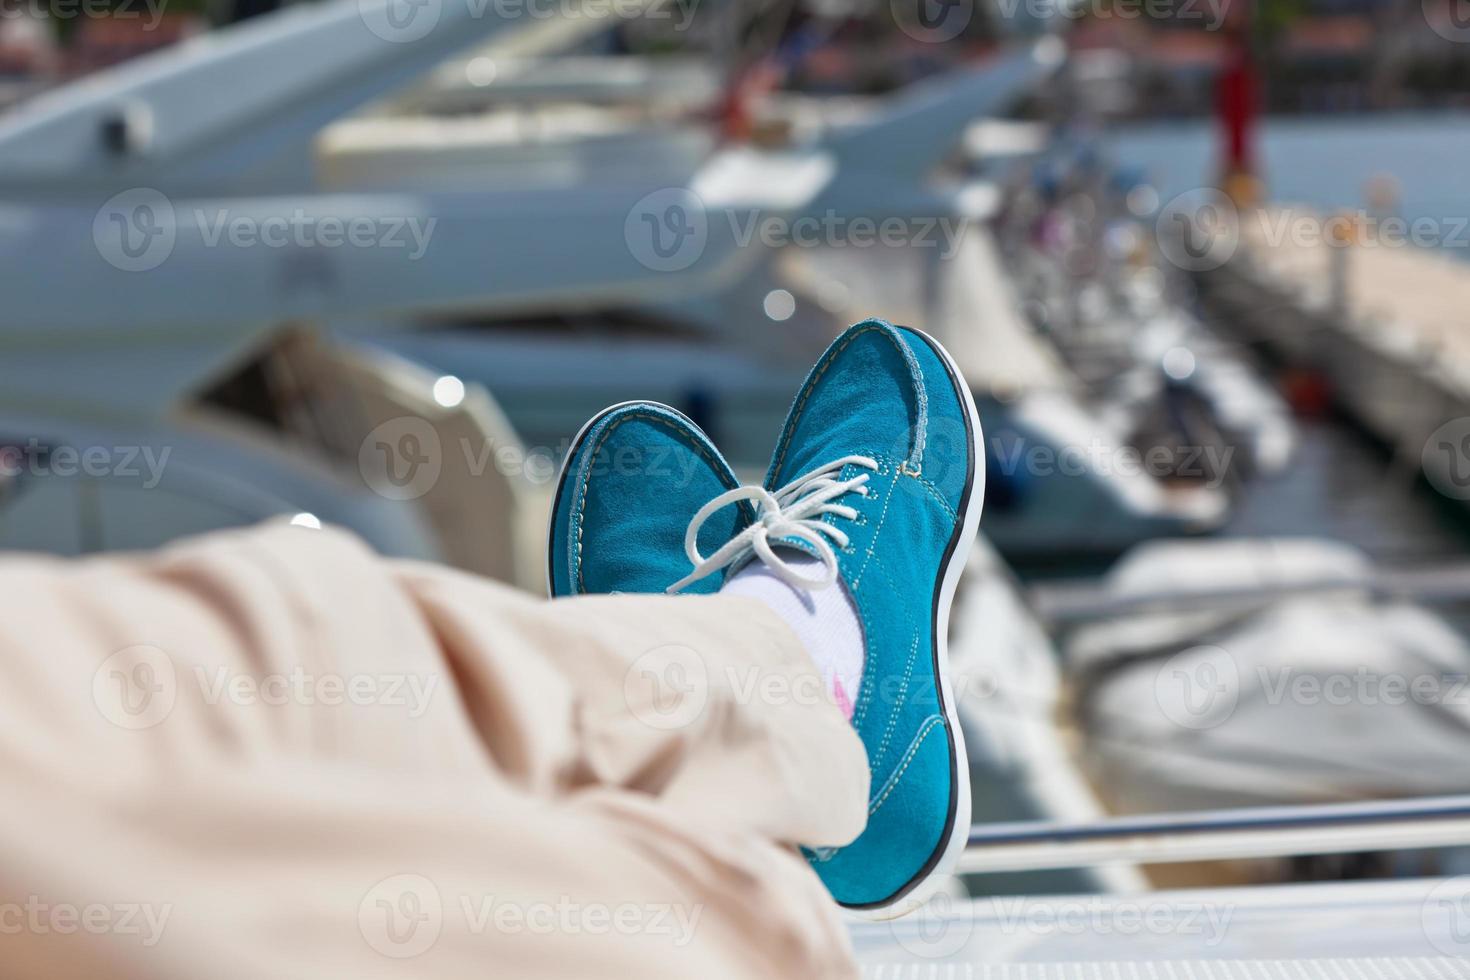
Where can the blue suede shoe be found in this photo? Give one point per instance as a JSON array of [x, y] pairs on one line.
[[633, 479], [880, 477]]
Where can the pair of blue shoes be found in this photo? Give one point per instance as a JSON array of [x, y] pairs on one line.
[[877, 474]]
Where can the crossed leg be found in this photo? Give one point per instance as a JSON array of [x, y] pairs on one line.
[[273, 753]]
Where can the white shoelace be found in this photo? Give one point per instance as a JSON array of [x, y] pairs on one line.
[[794, 511]]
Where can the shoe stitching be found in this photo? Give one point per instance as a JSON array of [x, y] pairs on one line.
[[898, 700], [866, 693], [824, 854], [857, 579], [602, 440], [929, 724], [938, 498], [870, 683], [889, 331]]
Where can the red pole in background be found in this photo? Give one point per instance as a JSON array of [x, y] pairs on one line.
[[1236, 106]]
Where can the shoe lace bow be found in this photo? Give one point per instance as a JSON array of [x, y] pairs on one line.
[[794, 511]]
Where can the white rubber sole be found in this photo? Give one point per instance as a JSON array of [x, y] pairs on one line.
[[959, 834]]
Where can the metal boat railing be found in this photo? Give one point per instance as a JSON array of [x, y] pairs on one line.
[[1066, 604], [1247, 832]]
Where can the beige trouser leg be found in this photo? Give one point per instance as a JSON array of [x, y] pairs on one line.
[[271, 754]]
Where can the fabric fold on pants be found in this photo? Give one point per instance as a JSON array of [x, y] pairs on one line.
[[273, 753]]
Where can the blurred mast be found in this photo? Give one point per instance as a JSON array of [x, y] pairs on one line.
[[1237, 106]]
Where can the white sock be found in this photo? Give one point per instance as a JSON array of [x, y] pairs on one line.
[[825, 621]]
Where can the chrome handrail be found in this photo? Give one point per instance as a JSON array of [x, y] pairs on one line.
[[1248, 832]]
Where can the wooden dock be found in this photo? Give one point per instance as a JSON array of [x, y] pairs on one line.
[[1387, 322], [1414, 297]]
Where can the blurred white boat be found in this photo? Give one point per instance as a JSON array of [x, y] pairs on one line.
[[136, 322], [1242, 672], [503, 122], [729, 356]]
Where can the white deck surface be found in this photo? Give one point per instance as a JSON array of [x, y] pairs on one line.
[[1400, 929]]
